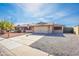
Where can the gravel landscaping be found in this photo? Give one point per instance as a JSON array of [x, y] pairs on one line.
[[68, 45], [11, 35]]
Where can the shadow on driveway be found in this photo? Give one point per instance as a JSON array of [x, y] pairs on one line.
[[50, 34]]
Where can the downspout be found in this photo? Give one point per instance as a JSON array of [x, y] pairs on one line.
[[62, 29]]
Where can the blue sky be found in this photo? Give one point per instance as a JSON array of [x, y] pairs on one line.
[[60, 13]]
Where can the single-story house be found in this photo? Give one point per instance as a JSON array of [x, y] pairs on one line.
[[46, 28], [41, 28], [76, 30]]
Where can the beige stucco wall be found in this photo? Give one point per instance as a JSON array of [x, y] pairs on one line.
[[50, 29], [76, 30], [45, 29]]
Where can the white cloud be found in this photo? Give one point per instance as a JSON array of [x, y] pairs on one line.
[[61, 14], [58, 15], [42, 19], [42, 13], [31, 7], [34, 9]]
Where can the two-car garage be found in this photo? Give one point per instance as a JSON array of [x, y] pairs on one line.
[[40, 29], [45, 28]]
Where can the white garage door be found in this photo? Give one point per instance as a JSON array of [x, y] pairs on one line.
[[41, 29]]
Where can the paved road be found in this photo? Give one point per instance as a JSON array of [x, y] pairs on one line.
[[66, 45]]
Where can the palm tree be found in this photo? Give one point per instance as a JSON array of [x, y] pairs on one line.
[[6, 25]]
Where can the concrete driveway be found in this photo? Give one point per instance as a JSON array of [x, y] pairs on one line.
[[59, 46]]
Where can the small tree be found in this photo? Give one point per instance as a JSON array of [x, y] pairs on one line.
[[7, 26], [1, 27]]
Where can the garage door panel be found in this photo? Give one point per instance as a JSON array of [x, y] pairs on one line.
[[58, 31], [41, 29]]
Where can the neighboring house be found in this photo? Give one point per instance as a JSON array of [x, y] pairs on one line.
[[47, 28], [76, 30], [23, 28]]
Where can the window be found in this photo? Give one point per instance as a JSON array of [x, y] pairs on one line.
[[57, 28]]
